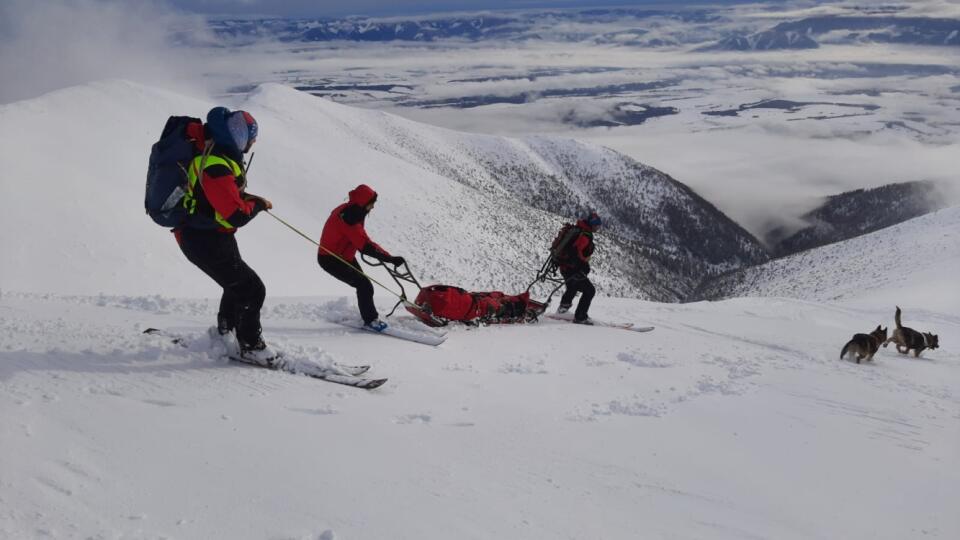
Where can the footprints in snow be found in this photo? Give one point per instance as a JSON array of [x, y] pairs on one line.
[[728, 378]]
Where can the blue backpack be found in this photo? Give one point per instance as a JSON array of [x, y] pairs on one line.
[[167, 173]]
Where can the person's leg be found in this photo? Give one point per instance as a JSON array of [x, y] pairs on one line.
[[250, 293], [572, 283], [588, 290], [227, 316], [350, 274], [218, 256], [368, 310]]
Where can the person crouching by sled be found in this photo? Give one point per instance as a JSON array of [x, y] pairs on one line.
[[343, 235], [574, 264], [219, 205]]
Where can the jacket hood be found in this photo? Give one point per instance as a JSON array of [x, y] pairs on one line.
[[363, 195]]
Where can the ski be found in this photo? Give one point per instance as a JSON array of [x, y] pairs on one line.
[[341, 374], [568, 317], [328, 375], [352, 370], [424, 338]]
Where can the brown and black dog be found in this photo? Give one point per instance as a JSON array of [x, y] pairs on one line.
[[908, 338], [865, 345]]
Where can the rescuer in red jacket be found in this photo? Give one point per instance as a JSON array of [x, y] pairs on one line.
[[575, 266], [343, 235], [219, 204]]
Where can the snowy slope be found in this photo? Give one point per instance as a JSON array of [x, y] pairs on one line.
[[677, 236], [76, 161], [915, 261], [731, 420]]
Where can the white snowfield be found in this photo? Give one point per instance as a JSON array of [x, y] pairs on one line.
[[733, 419]]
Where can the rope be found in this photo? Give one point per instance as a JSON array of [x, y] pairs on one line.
[[339, 258]]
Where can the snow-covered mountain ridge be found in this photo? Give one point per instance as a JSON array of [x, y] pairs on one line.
[[457, 206], [913, 261], [854, 213], [809, 33], [673, 236]]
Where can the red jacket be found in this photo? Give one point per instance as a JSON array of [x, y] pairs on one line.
[[343, 236]]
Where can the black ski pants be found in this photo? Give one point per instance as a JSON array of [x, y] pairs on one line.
[[577, 282], [216, 253], [350, 273]]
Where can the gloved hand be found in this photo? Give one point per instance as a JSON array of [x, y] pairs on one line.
[[264, 204], [396, 261]]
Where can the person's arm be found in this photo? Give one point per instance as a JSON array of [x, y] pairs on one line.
[[220, 188], [373, 249]]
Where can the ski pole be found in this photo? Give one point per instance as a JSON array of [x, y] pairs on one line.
[[339, 258]]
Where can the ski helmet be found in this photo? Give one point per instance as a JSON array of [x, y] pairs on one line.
[[592, 220], [236, 129]]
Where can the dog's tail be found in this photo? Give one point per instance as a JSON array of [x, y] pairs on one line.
[[896, 318], [843, 352]]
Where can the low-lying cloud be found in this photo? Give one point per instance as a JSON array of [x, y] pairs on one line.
[[46, 45]]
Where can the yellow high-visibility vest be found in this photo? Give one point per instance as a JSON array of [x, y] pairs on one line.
[[193, 176]]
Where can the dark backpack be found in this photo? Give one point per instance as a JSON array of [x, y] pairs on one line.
[[560, 248], [167, 173]]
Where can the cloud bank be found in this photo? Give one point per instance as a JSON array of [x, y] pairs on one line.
[[48, 44]]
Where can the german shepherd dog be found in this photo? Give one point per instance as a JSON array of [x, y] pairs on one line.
[[908, 338], [865, 345]]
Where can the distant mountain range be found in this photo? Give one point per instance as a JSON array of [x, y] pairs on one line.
[[900, 263], [526, 25], [841, 221], [855, 213], [628, 27], [811, 32]]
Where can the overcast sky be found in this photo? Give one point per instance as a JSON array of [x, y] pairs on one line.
[[333, 8]]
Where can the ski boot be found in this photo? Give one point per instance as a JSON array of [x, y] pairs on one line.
[[258, 353], [375, 325]]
